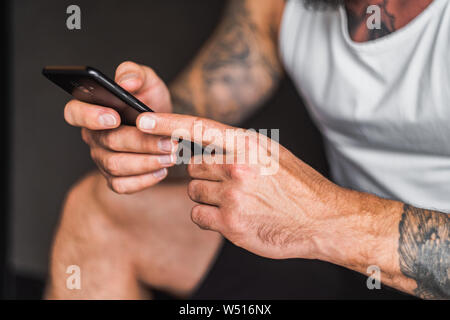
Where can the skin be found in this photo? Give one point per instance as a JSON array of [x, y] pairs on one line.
[[394, 15], [114, 194], [127, 244], [295, 212]]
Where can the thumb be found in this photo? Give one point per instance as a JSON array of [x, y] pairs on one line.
[[130, 76], [145, 85]]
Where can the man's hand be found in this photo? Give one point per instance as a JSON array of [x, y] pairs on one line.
[[274, 215], [294, 212], [129, 159]]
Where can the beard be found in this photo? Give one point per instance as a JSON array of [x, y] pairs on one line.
[[323, 4]]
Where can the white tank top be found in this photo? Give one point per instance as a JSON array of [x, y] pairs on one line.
[[382, 106]]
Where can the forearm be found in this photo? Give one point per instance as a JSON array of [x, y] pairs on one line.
[[237, 69], [409, 245]]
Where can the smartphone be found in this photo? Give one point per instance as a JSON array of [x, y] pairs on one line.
[[90, 85]]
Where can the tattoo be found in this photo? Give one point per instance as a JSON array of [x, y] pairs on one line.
[[387, 23], [424, 250], [357, 24], [232, 63], [237, 71], [182, 100]]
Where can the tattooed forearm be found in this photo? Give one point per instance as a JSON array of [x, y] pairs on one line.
[[424, 250], [236, 71]]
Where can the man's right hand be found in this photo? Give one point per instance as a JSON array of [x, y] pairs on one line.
[[129, 159]]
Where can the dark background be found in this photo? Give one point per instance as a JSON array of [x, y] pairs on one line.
[[45, 156]]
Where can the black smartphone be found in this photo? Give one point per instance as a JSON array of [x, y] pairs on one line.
[[90, 85]]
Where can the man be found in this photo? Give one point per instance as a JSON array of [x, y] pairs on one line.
[[379, 96]]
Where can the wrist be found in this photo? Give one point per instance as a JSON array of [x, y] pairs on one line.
[[360, 230]]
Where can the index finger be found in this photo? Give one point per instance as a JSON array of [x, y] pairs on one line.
[[199, 130]]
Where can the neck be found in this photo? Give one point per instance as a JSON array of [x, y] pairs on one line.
[[394, 14]]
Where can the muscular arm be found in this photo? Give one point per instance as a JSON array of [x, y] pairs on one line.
[[411, 246], [238, 68]]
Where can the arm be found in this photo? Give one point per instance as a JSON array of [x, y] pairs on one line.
[[294, 212], [238, 68], [411, 246], [235, 72]]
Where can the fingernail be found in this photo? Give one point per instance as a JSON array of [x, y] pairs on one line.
[[147, 123], [166, 159], [107, 120], [128, 76], [160, 173], [165, 144]]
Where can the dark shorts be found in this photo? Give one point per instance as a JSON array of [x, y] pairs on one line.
[[239, 274]]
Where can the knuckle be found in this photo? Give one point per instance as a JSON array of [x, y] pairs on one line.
[[117, 186], [238, 172], [110, 140], [147, 143], [193, 122], [196, 214], [200, 218], [193, 189], [112, 165]]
